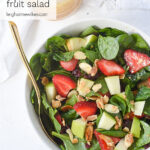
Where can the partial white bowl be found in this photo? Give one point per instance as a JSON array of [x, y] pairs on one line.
[[73, 29]]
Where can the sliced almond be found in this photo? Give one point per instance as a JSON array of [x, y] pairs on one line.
[[80, 98], [73, 140], [71, 93], [100, 103], [118, 123], [122, 76], [94, 68], [89, 133], [66, 108], [85, 67], [105, 99], [96, 87], [94, 98], [126, 129], [111, 108], [56, 104], [92, 118], [63, 122], [60, 98], [128, 140], [79, 55]]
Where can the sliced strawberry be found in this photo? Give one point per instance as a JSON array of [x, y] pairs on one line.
[[69, 65], [102, 143], [85, 108], [63, 84], [58, 118], [136, 60], [115, 139], [110, 68]]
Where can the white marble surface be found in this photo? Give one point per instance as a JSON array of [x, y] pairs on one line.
[[16, 130]]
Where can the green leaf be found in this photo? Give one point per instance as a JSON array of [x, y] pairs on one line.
[[60, 56], [89, 30], [125, 41], [69, 116], [145, 137], [35, 65], [62, 72], [147, 107], [95, 145], [140, 42], [108, 47], [46, 61], [68, 144], [92, 93], [72, 101], [113, 32], [143, 94], [120, 102], [113, 133], [129, 97], [56, 43], [104, 88], [92, 55], [34, 100], [51, 113]]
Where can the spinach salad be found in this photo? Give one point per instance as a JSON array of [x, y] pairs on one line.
[[95, 90]]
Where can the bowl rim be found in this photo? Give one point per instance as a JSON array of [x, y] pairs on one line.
[[118, 22]]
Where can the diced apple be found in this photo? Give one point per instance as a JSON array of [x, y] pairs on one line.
[[138, 108], [113, 84]]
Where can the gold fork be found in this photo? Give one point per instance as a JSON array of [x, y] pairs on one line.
[[17, 40]]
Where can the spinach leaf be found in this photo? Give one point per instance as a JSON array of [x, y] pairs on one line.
[[72, 101], [56, 43], [120, 102], [69, 116], [35, 65], [104, 88], [113, 133], [92, 55], [111, 32], [140, 75], [46, 61], [147, 107], [61, 56], [140, 42], [125, 41], [129, 97], [62, 72], [89, 30], [92, 93], [51, 113], [95, 145], [108, 47], [34, 100], [68, 144], [128, 81], [143, 94], [145, 137]]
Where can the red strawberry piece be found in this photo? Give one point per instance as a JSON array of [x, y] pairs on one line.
[[69, 65], [102, 143], [59, 119], [110, 68], [63, 84], [85, 109], [115, 139], [136, 60]]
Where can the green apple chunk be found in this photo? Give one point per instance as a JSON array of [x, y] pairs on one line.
[[121, 145], [139, 107], [135, 128], [78, 128], [84, 86], [90, 39], [50, 92], [106, 122], [75, 43], [113, 84]]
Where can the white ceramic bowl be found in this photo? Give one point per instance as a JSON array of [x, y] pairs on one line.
[[73, 29]]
